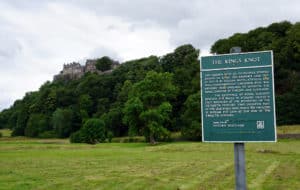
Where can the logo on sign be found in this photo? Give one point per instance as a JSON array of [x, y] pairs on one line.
[[260, 124]]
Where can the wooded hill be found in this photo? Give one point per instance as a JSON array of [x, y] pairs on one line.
[[153, 96]]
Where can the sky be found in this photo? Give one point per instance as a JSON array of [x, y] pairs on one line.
[[38, 36]]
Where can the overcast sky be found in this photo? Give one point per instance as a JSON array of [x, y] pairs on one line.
[[38, 36]]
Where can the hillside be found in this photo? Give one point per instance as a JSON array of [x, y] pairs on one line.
[[60, 108]]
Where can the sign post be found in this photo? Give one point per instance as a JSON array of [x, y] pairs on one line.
[[239, 154], [238, 103]]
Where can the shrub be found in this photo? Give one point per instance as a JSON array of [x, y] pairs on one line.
[[92, 132], [76, 137], [1, 135], [193, 131]]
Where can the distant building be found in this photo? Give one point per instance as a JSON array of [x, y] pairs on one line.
[[75, 71]]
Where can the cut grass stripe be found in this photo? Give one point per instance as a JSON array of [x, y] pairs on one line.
[[200, 179], [258, 181]]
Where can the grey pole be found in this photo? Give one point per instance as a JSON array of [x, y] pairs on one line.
[[239, 166], [239, 153]]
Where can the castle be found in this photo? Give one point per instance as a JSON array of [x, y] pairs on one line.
[[75, 71]]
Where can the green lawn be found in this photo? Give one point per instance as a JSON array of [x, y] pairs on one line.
[[5, 132], [288, 129], [56, 164]]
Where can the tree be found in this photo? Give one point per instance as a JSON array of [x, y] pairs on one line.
[[184, 64], [132, 109], [36, 124], [284, 39], [104, 63], [62, 122], [102, 106], [4, 118], [147, 109], [191, 117], [93, 131], [21, 122], [86, 103], [76, 137], [113, 121]]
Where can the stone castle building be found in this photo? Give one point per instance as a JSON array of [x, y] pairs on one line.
[[75, 71]]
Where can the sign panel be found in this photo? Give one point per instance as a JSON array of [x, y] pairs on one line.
[[237, 98]]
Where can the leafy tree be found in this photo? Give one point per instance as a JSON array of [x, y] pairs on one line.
[[113, 122], [102, 106], [86, 103], [22, 119], [36, 124], [65, 95], [132, 109], [76, 137], [147, 109], [12, 122], [191, 117], [104, 63], [62, 122], [4, 118], [184, 64], [93, 131], [283, 39]]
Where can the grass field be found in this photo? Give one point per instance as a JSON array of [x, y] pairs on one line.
[[288, 129], [56, 164]]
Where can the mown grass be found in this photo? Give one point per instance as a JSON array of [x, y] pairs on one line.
[[288, 129], [56, 164], [5, 132]]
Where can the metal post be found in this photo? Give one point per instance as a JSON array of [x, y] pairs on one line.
[[239, 166], [239, 153]]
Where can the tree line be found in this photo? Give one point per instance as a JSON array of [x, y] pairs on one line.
[[152, 96]]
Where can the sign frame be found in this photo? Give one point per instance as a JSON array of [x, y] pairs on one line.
[[237, 68]]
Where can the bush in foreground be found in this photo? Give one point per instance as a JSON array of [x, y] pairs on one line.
[[92, 132]]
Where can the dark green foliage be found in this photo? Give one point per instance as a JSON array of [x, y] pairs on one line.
[[62, 122], [109, 136], [47, 135], [184, 64], [22, 120], [76, 137], [113, 122], [191, 118], [104, 63], [92, 132], [4, 118], [102, 106], [284, 39], [147, 109], [37, 123], [86, 103]]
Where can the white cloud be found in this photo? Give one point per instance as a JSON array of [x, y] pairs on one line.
[[58, 32], [38, 36]]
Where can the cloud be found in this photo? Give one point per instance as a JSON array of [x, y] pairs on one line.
[[38, 36], [38, 41]]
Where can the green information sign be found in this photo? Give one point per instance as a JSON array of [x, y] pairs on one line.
[[237, 97]]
